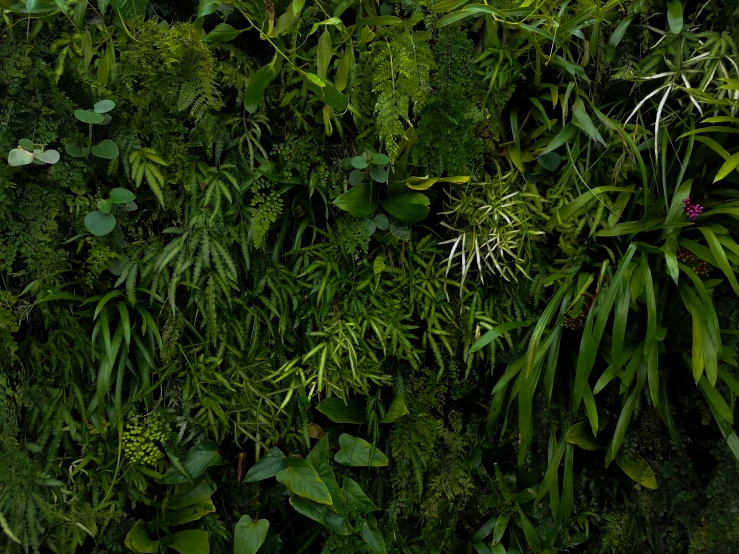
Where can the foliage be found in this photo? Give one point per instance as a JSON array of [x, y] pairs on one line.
[[409, 277]]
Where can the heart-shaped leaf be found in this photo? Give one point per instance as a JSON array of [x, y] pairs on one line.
[[99, 224], [88, 116], [250, 535], [121, 196], [267, 467], [47, 156], [105, 206], [107, 149], [301, 478], [104, 106], [18, 157]]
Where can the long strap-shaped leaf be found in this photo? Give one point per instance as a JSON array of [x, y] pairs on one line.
[[591, 340]]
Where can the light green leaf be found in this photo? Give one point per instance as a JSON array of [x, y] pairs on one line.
[[121, 196], [18, 157], [223, 32], [639, 471], [356, 452], [581, 435], [104, 106], [496, 332], [259, 81], [728, 166], [675, 15]]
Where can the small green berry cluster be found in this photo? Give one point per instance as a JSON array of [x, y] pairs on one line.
[[141, 437]]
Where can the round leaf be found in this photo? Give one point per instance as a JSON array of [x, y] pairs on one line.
[[18, 156], [378, 174], [104, 106], [107, 149], [121, 196], [346, 164], [380, 159], [88, 116], [105, 206], [26, 144], [356, 177], [549, 161], [358, 162], [76, 151], [371, 227], [99, 224], [47, 156], [382, 222], [106, 119]]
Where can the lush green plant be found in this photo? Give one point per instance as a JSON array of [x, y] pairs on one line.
[[476, 251]]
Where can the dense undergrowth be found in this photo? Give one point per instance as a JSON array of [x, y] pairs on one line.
[[345, 277]]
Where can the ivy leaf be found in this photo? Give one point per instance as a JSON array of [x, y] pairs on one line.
[[250, 535], [358, 452], [267, 467], [301, 478]]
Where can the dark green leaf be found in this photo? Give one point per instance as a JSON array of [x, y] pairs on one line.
[[408, 208], [99, 224], [301, 478], [249, 535], [360, 201], [269, 466]]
